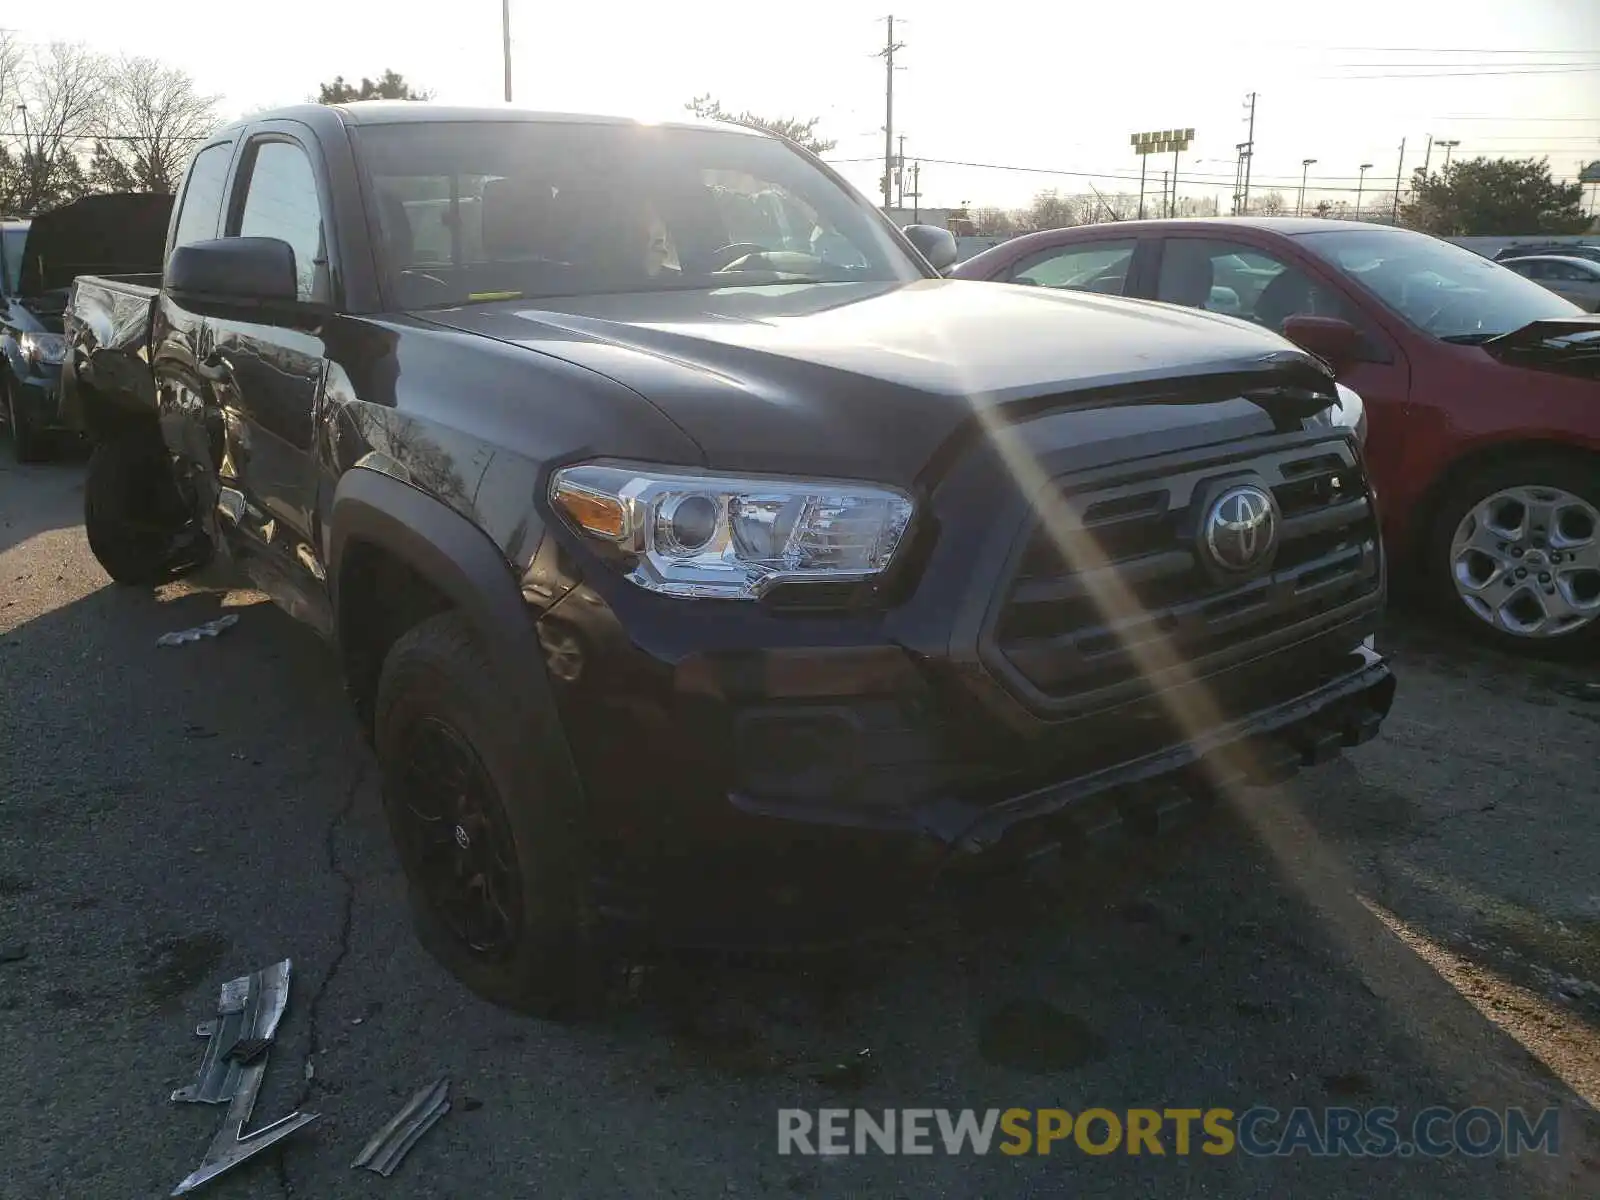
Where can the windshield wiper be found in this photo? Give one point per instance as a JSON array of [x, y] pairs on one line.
[[1467, 339]]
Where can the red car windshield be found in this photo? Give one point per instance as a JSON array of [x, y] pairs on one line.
[[1442, 289]]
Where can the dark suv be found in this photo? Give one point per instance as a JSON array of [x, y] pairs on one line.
[[680, 529]]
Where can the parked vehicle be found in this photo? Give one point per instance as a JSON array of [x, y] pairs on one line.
[[1576, 279], [672, 573], [1482, 388], [38, 260], [1565, 249]]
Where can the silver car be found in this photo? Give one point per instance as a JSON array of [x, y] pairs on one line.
[[1577, 279]]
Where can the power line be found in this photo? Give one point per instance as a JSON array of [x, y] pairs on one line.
[[1211, 180], [1468, 74]]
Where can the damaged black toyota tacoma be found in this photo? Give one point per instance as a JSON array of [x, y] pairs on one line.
[[691, 548]]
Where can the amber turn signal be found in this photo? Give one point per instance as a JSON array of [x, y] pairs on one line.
[[602, 516]]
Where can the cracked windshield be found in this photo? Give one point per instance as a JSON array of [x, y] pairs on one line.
[[716, 600]]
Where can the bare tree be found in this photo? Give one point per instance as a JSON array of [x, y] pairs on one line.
[[1051, 210], [152, 119], [993, 222], [62, 100], [10, 97]]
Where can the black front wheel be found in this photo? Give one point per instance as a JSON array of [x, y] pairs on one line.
[[493, 865]]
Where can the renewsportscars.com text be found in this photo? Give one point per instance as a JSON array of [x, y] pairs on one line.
[[1258, 1132]]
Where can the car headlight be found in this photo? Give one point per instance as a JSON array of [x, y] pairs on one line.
[[43, 348], [1350, 413], [696, 534]]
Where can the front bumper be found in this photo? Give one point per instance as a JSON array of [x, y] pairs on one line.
[[733, 751]]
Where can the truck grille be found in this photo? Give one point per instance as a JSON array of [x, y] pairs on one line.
[[1126, 566]]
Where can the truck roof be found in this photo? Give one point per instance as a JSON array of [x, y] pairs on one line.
[[398, 112]]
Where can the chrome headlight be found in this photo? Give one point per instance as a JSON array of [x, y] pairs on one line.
[[46, 349], [1350, 413], [697, 534]]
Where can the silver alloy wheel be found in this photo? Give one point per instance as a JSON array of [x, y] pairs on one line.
[[1527, 561]]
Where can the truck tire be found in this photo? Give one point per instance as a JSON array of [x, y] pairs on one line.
[[492, 868], [27, 443], [1553, 607], [132, 510]]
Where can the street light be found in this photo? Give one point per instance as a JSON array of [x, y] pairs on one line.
[[1305, 165], [1448, 145], [1361, 181], [505, 42]]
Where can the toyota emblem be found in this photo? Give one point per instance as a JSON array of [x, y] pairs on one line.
[[1241, 529]]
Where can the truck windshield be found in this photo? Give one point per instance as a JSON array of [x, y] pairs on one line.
[[1443, 290], [500, 210], [12, 239]]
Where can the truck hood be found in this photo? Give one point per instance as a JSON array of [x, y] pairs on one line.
[[120, 233], [875, 377]]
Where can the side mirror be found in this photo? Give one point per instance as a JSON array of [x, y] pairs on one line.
[[1330, 338], [936, 245], [241, 276]]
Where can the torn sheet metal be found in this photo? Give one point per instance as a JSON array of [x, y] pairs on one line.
[[248, 1012], [209, 629], [233, 1145], [391, 1143]]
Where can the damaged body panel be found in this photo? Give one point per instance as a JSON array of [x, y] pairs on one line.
[[238, 1041], [393, 1142]]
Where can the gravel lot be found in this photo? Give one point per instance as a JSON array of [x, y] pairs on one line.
[[1417, 924]]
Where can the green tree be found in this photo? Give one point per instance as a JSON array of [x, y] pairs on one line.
[[1494, 197], [801, 132], [391, 85]]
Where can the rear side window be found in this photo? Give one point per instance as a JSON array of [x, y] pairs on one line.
[[202, 197]]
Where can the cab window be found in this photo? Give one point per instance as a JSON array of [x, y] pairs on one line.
[[202, 196], [281, 201]]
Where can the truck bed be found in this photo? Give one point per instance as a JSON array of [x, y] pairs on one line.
[[107, 327]]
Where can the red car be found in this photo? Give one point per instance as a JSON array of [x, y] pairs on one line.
[[1481, 387]]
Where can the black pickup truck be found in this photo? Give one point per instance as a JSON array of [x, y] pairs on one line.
[[690, 545]]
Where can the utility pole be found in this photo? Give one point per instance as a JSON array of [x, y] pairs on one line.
[[1249, 152], [1360, 183], [505, 42], [887, 54], [1238, 178], [900, 175], [1449, 145], [916, 193], [1305, 166], [1427, 156], [1164, 201], [1400, 167]]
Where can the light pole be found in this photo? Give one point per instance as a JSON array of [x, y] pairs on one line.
[[1305, 166], [1361, 181], [505, 42], [1448, 145]]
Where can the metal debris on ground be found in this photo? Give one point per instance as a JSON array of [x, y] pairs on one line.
[[209, 629], [237, 1043], [391, 1143], [1580, 691], [233, 1145], [248, 1011], [13, 953]]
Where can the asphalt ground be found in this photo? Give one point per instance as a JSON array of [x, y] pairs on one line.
[[1415, 925]]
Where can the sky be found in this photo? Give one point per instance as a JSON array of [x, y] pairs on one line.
[[1043, 94]]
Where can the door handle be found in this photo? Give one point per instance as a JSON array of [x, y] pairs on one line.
[[215, 368]]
